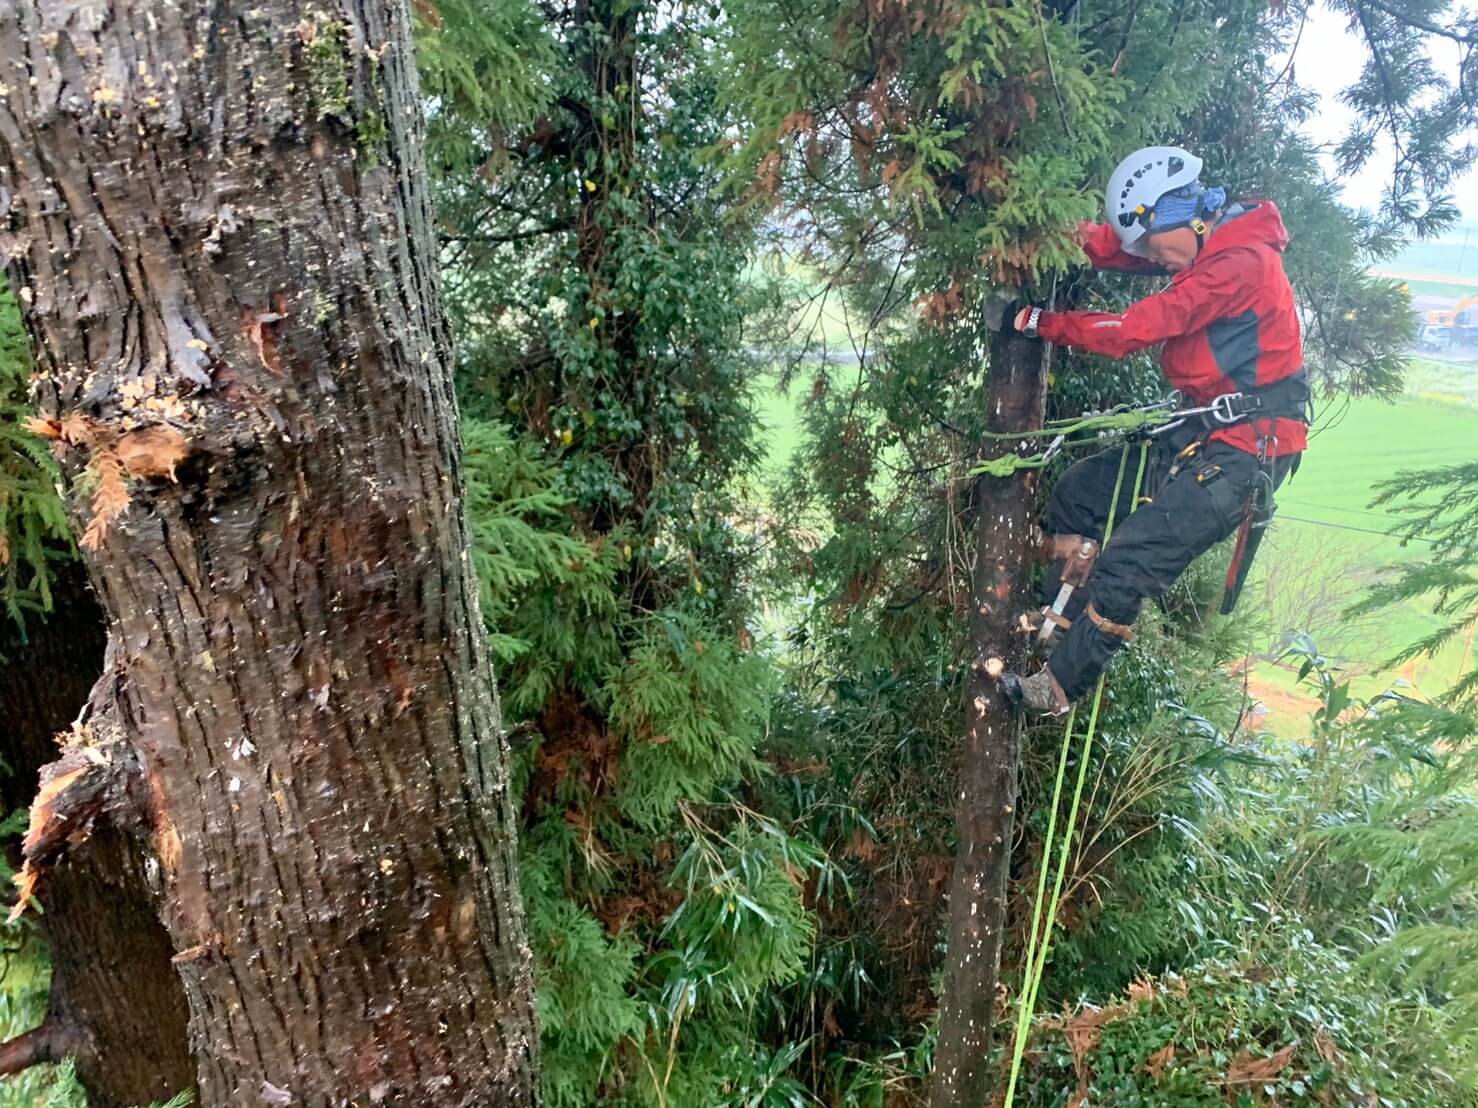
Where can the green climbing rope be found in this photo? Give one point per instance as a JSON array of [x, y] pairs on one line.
[[1129, 419], [1007, 464], [1039, 942], [1117, 422]]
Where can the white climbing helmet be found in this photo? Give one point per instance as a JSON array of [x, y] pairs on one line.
[[1140, 180]]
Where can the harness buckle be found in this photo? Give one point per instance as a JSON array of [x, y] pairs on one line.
[[1232, 407]]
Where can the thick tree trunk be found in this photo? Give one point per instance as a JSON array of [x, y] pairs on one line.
[[985, 816], [219, 229], [116, 1007]]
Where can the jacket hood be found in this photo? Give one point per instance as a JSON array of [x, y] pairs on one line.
[[1259, 222]]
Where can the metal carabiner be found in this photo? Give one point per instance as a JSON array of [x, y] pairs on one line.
[[1052, 450]]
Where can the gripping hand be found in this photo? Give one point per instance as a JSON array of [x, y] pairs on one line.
[[1025, 321]]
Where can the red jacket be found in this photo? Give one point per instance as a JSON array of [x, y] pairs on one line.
[[1227, 321]]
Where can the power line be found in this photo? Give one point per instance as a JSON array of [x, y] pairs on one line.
[[1336, 508], [1351, 527]]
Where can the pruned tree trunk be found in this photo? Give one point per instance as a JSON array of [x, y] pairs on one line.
[[219, 230], [116, 1007], [986, 809]]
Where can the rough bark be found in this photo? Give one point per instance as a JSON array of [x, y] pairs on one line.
[[219, 231], [985, 813], [116, 1007]]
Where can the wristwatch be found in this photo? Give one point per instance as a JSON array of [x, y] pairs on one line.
[[1033, 317]]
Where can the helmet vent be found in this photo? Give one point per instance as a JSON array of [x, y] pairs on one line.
[[1136, 185]]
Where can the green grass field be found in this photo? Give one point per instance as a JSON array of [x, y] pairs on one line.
[[780, 420], [1326, 520], [1353, 447], [1453, 255], [1447, 267]]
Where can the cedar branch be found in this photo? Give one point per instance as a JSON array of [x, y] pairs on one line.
[[1412, 20], [53, 1041]]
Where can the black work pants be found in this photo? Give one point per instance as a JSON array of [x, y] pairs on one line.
[[1152, 543]]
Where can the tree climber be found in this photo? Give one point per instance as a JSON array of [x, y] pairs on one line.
[[1233, 349]]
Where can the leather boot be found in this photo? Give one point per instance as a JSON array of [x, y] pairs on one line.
[[1039, 694]]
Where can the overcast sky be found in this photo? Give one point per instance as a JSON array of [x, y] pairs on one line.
[[1327, 60]]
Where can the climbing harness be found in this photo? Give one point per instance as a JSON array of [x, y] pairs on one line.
[[1223, 411], [1039, 943], [1144, 422], [1283, 399], [1286, 399]]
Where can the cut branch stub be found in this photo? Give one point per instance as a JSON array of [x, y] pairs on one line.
[[92, 779], [115, 453]]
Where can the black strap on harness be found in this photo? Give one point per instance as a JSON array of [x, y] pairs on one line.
[[1289, 398]]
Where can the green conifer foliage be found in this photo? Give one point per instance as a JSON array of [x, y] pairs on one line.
[[596, 278], [1436, 507], [33, 523], [1421, 842]]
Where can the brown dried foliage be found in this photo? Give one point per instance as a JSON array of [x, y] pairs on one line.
[[115, 456], [1083, 1031], [1247, 1070], [109, 496], [767, 175], [1155, 1064]]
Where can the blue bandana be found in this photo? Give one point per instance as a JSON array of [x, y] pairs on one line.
[[1178, 208]]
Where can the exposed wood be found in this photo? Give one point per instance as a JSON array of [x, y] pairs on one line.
[[986, 803], [91, 781], [219, 230]]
